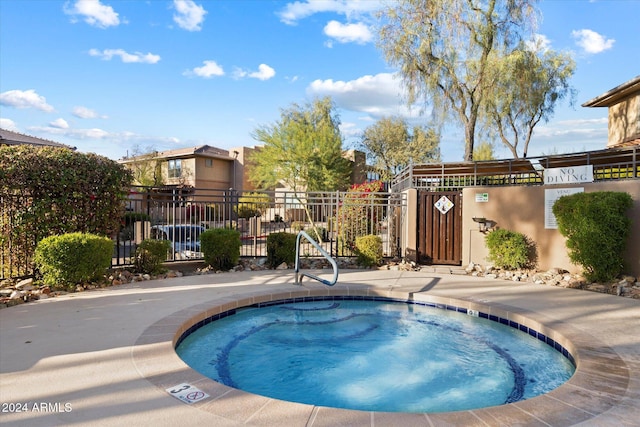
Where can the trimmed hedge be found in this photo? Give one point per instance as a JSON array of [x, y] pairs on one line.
[[281, 247], [597, 228], [510, 249], [51, 191], [369, 250], [74, 258], [221, 247], [150, 256]]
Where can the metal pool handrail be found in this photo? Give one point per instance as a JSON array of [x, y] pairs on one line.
[[323, 252]]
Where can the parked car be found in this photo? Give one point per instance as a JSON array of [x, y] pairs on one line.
[[185, 239]]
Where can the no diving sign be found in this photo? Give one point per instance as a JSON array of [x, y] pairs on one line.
[[187, 393]]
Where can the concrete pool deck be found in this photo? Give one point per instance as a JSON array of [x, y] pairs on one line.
[[105, 357]]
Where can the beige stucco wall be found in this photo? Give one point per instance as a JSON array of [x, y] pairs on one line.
[[218, 176], [409, 234], [243, 165], [522, 209], [624, 121]]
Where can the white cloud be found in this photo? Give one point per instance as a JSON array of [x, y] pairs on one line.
[[592, 42], [25, 99], [94, 13], [264, 72], [102, 135], [302, 9], [350, 130], [126, 57], [379, 95], [208, 70], [59, 123], [86, 113], [569, 136], [347, 33], [189, 16], [8, 124], [94, 133]]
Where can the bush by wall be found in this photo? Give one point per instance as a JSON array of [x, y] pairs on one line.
[[510, 249], [221, 247], [150, 256], [74, 258], [597, 228], [49, 191], [369, 250], [281, 247]]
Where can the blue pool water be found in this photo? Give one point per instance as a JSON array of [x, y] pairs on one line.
[[375, 355]]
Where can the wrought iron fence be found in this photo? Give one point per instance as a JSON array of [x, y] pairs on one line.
[[16, 236], [181, 214], [334, 218]]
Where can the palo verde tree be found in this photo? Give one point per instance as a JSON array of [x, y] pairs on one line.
[[443, 49], [392, 147], [303, 151], [527, 83]]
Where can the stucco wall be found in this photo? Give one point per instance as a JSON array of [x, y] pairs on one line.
[[217, 176], [624, 121], [522, 209]]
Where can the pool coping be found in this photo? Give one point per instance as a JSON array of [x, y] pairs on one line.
[[601, 378]]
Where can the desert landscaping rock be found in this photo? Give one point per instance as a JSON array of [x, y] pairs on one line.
[[12, 293]]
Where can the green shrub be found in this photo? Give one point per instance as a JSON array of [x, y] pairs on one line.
[[150, 256], [357, 215], [597, 229], [49, 191], [221, 247], [71, 259], [369, 250], [281, 247], [510, 249]]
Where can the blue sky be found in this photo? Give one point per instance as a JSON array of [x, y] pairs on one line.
[[113, 76]]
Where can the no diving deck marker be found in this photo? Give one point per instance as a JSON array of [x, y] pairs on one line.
[[187, 393]]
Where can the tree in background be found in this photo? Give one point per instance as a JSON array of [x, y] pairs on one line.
[[526, 85], [444, 48], [391, 146], [303, 150], [484, 151], [146, 169]]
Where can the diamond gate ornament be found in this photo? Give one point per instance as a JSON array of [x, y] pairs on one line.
[[443, 204]]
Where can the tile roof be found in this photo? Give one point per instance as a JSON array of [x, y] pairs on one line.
[[8, 137], [200, 151]]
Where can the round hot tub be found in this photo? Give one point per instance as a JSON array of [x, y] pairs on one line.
[[376, 354]]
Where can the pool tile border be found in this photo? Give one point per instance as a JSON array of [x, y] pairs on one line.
[[573, 402]]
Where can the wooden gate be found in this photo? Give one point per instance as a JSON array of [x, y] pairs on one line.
[[440, 227]]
